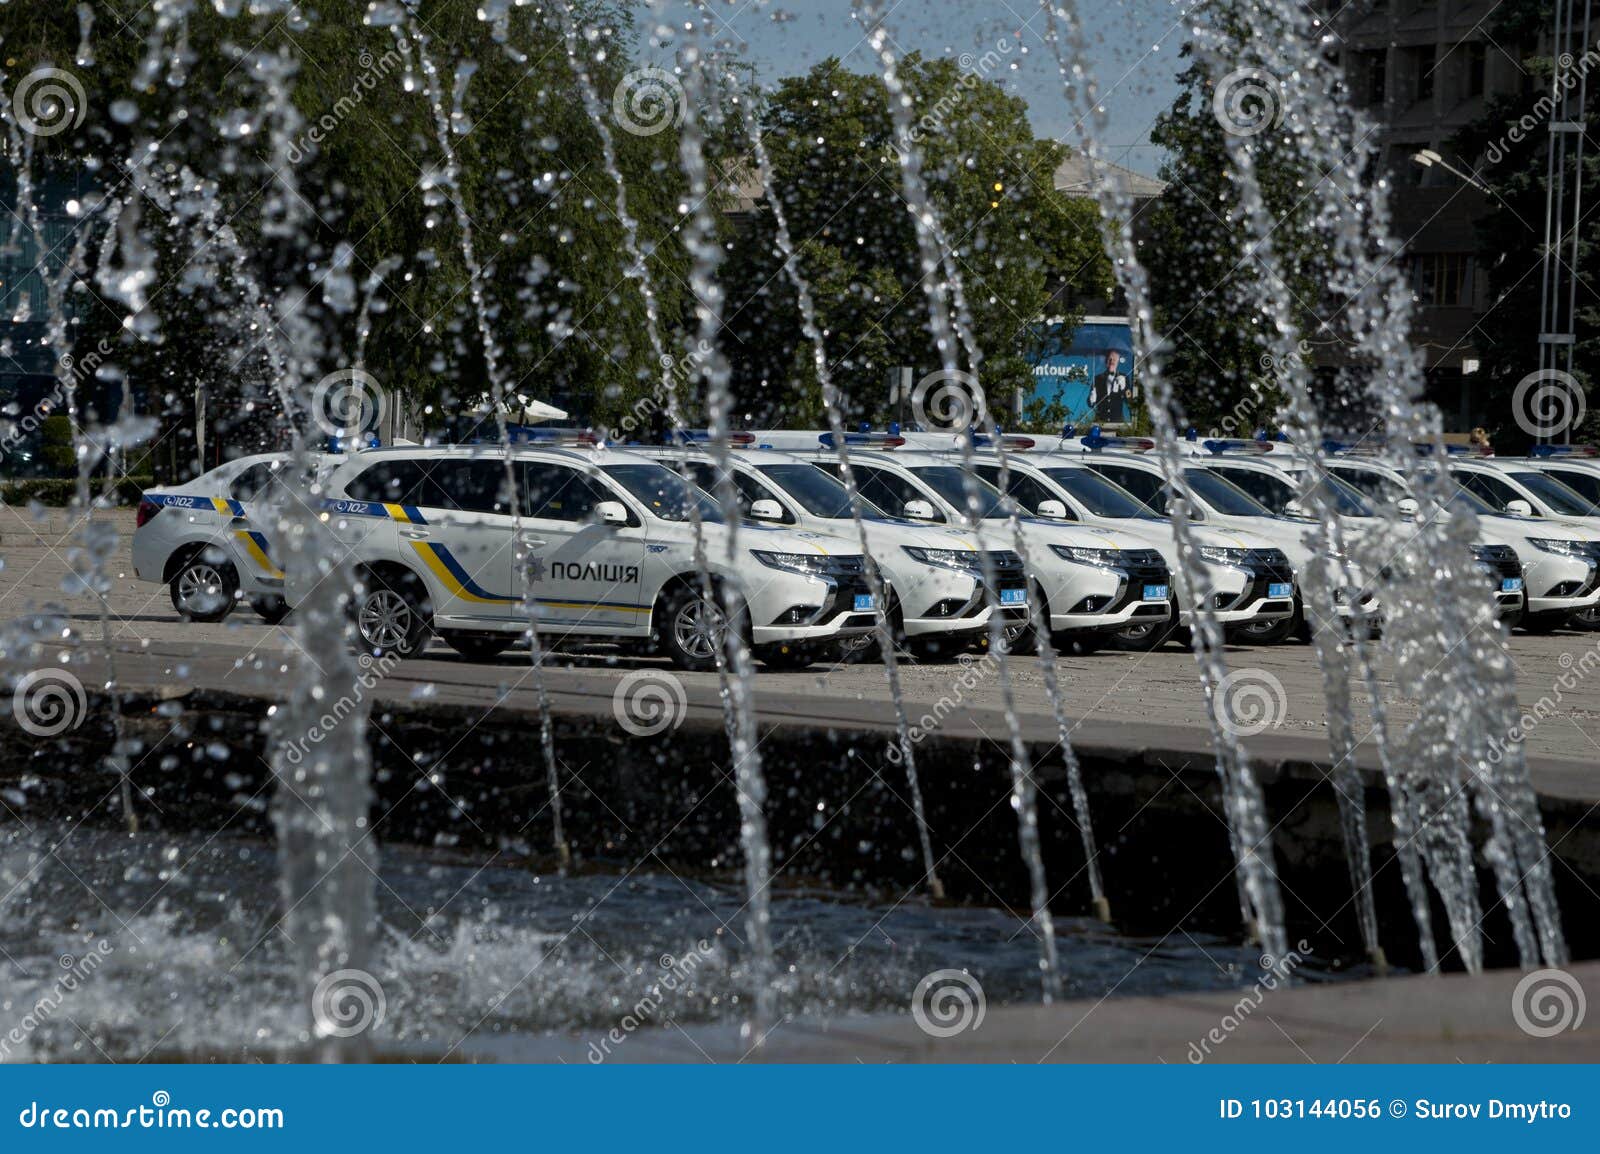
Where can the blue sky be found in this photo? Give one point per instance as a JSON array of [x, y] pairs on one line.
[[1133, 45]]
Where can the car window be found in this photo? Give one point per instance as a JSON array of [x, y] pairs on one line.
[[1373, 484], [1492, 490], [553, 492], [1223, 495], [747, 490], [252, 484], [1101, 497], [817, 492], [1023, 489], [667, 495], [400, 482], [468, 486], [1274, 493], [1147, 487], [1582, 482], [889, 491], [1555, 493]]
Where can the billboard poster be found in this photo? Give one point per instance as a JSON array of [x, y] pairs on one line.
[[1088, 369]]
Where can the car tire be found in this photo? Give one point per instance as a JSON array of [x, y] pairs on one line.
[[1587, 620], [1143, 637], [1262, 632], [391, 614], [270, 607], [689, 629], [202, 589], [479, 646]]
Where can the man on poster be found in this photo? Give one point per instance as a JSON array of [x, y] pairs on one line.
[[1109, 396]]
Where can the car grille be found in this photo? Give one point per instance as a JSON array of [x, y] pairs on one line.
[[1498, 561], [1143, 567]]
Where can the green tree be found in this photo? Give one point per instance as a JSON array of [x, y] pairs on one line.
[[366, 165], [1020, 244], [1201, 276]]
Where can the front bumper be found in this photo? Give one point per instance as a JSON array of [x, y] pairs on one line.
[[1114, 597], [1242, 591], [1560, 582], [960, 604], [791, 607]]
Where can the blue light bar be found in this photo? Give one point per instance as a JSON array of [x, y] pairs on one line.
[[862, 441], [1237, 445], [1564, 451], [1097, 441], [703, 437]]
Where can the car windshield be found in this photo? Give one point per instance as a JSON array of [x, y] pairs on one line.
[[1101, 497], [816, 492], [662, 492], [1348, 501], [1552, 492], [951, 484], [1223, 495]]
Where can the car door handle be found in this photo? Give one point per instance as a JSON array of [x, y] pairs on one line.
[[414, 534], [528, 539], [239, 523]]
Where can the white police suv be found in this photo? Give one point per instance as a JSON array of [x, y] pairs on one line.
[[207, 541], [606, 552], [1095, 581], [1250, 582], [1560, 560], [932, 575]]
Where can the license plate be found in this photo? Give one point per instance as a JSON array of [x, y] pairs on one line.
[[1280, 589], [863, 602], [1510, 584], [1013, 596], [1157, 592]]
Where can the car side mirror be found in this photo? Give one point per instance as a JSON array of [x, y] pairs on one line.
[[1293, 509], [1519, 508], [612, 513], [766, 509], [1407, 506], [918, 510], [1054, 510]]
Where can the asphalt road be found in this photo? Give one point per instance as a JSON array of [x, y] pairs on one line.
[[1107, 693]]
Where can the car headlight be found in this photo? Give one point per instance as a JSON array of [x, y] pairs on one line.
[[805, 564], [1103, 558], [1565, 548], [965, 560], [1222, 556]]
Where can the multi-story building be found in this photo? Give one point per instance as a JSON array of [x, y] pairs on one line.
[[1424, 70]]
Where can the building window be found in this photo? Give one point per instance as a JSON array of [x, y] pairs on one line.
[[1368, 77], [1421, 61], [1442, 279], [1477, 65]]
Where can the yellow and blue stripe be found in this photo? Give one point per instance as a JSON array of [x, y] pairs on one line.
[[255, 546]]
